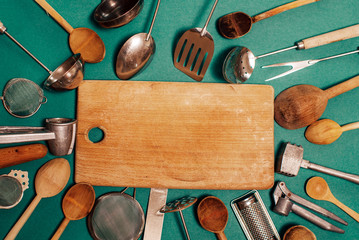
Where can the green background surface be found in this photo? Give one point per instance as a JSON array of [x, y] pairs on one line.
[[37, 31]]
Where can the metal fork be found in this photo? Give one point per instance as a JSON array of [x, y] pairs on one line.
[[298, 65]]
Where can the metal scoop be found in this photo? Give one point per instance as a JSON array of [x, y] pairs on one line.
[[299, 65], [67, 76], [136, 53], [116, 13]]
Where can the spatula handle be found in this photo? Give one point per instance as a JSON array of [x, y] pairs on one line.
[[281, 9], [55, 15], [11, 156], [60, 229], [330, 37], [346, 209], [342, 87], [22, 220]]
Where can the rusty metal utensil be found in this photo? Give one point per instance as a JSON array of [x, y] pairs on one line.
[[81, 40], [194, 50], [237, 24], [67, 76], [116, 13]]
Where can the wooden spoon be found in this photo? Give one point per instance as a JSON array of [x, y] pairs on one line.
[[301, 105], [299, 233], [50, 179], [81, 40], [318, 188], [76, 204], [238, 24], [213, 216], [326, 131]]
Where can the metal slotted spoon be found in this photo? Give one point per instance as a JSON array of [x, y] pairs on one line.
[[194, 50]]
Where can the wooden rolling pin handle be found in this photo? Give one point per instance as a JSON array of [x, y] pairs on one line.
[[20, 154], [55, 15], [330, 37], [61, 229], [342, 87], [281, 9], [22, 220]]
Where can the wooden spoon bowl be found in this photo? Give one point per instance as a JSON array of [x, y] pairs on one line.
[[299, 233], [213, 216], [324, 131]]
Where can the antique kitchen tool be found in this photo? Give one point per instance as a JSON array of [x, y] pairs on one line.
[[177, 129], [237, 24], [177, 206], [81, 40], [326, 131], [301, 105], [240, 61], [299, 65], [253, 216], [11, 156], [76, 204], [22, 97], [299, 232], [154, 218], [60, 133], [284, 204], [318, 189], [67, 76], [291, 160], [136, 53], [116, 215], [12, 187], [116, 13], [50, 179], [194, 50], [213, 216]]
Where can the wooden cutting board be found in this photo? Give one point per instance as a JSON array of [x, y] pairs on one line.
[[176, 135]]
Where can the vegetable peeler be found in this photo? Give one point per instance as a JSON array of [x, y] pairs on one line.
[[283, 205]]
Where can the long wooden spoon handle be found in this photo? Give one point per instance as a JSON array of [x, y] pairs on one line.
[[22, 220], [350, 126], [342, 87], [349, 211], [61, 229], [221, 236], [55, 15], [11, 156], [281, 9], [330, 37]]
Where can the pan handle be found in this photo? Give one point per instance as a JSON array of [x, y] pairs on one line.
[[281, 9], [58, 18]]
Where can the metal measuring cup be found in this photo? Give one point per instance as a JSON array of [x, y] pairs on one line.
[[67, 76]]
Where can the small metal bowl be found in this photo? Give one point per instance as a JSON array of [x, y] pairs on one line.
[[116, 13]]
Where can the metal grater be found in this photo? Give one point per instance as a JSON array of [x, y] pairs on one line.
[[254, 218]]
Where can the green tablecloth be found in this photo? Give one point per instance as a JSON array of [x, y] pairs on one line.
[[30, 25]]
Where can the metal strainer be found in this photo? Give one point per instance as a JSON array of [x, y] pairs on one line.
[[254, 218], [22, 97]]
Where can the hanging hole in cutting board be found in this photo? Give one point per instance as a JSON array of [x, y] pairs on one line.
[[96, 135]]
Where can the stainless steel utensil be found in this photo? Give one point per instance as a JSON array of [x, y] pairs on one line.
[[60, 133], [116, 13], [283, 199], [22, 98], [177, 206], [291, 160], [240, 61], [194, 50], [136, 53], [253, 217], [67, 76], [299, 65], [116, 215]]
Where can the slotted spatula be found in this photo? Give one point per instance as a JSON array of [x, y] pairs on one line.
[[194, 50]]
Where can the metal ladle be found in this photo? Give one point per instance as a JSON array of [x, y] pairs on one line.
[[67, 76], [136, 53], [116, 13]]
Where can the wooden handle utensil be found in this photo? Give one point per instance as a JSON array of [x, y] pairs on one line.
[[11, 156]]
